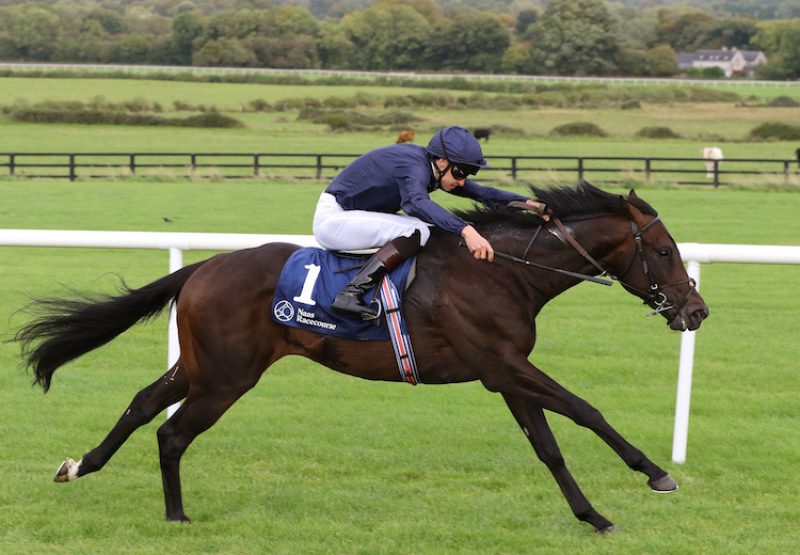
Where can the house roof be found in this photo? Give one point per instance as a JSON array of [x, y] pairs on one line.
[[750, 55], [715, 55], [685, 59]]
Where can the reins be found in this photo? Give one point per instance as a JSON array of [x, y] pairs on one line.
[[585, 277], [577, 246], [542, 212], [532, 264]]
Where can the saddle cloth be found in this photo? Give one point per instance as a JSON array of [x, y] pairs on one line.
[[308, 283]]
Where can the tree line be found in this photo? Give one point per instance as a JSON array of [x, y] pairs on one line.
[[564, 37]]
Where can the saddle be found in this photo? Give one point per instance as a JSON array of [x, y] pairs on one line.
[[310, 280]]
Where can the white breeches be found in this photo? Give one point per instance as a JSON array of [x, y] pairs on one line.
[[338, 229]]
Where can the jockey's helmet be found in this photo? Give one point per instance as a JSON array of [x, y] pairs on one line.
[[457, 145]]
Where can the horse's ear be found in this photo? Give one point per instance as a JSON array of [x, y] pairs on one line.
[[628, 205]]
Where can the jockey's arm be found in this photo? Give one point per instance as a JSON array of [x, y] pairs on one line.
[[480, 248], [485, 194]]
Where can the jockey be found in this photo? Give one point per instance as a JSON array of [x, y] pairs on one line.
[[359, 208]]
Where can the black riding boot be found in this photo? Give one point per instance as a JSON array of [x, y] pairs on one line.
[[382, 262]]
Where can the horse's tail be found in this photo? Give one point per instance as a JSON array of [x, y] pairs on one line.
[[68, 328]]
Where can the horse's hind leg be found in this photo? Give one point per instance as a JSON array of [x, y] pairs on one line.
[[532, 420], [198, 413], [150, 401]]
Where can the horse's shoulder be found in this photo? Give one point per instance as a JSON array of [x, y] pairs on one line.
[[440, 245]]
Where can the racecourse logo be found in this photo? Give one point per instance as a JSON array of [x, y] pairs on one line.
[[283, 311]]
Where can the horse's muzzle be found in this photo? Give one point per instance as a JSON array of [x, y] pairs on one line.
[[690, 315]]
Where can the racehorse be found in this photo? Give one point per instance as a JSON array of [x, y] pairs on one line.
[[468, 320]]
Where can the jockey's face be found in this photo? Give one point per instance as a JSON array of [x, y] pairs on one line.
[[448, 181]]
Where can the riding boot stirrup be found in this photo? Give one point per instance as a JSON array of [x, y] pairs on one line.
[[350, 299]]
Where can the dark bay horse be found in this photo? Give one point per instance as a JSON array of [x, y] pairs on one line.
[[468, 320]]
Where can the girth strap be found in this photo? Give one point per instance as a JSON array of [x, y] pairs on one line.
[[401, 342]]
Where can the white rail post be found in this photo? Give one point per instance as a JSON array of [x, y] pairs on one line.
[[173, 348], [685, 366]]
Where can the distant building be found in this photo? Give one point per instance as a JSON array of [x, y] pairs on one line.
[[731, 61], [685, 60], [752, 59]]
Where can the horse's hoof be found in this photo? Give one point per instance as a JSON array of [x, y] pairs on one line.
[[663, 485], [610, 529], [67, 472], [180, 518]]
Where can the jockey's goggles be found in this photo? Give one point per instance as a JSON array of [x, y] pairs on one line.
[[462, 171]]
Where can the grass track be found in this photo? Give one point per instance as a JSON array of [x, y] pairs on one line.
[[314, 462]]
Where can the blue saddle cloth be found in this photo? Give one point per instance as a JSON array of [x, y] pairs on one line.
[[310, 280]]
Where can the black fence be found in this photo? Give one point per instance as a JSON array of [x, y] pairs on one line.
[[600, 169]]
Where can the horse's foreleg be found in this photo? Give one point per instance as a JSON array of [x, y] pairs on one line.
[[586, 415], [150, 401], [528, 380], [198, 413], [534, 424]]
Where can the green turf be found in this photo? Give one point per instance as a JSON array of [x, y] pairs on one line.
[[699, 125], [315, 462], [225, 96]]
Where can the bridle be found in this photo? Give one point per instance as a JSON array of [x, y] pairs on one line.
[[657, 299]]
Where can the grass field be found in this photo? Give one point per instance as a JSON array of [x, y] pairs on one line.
[[699, 125], [314, 462]]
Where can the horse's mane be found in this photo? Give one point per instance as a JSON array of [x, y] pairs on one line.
[[567, 203]]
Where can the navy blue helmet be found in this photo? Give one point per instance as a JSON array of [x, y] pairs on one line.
[[457, 145]]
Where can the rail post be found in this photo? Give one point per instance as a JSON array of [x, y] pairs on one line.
[[647, 170], [513, 167], [72, 167], [193, 162], [786, 170], [173, 347], [716, 173], [680, 434], [580, 169], [319, 166], [256, 164], [11, 163], [132, 163]]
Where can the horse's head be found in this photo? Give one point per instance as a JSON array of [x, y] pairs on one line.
[[635, 248], [650, 266]]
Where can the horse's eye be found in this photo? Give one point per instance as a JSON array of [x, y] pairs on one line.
[[665, 252]]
